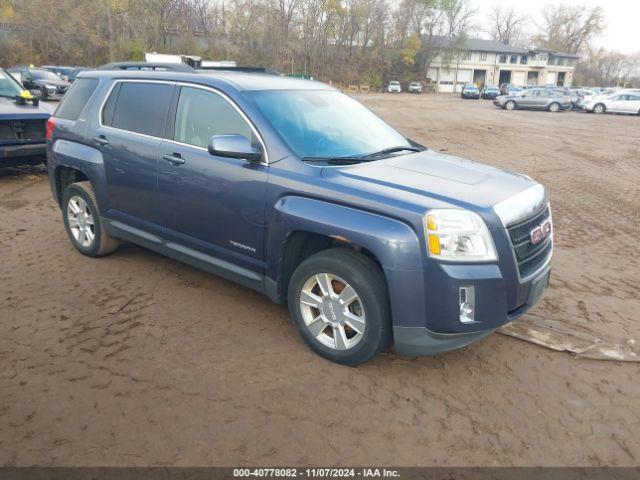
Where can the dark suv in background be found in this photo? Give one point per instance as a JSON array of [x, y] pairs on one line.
[[49, 84], [291, 188]]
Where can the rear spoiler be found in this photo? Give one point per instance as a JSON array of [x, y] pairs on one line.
[[167, 67]]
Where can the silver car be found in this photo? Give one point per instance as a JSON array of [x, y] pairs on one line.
[[622, 102], [535, 99]]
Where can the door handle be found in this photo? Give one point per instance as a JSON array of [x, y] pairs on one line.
[[101, 140], [174, 158]]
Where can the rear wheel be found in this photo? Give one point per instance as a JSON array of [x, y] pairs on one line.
[[339, 304], [510, 105], [554, 107], [82, 221], [599, 108]]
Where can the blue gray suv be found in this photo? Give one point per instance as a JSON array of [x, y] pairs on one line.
[[293, 189]]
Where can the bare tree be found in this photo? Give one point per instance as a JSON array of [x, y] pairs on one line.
[[458, 16], [570, 28], [505, 25]]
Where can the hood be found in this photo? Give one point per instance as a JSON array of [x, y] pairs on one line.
[[430, 179], [10, 110]]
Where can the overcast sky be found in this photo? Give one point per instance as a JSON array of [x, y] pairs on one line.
[[622, 32]]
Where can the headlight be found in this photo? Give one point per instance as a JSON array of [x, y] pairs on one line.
[[458, 235]]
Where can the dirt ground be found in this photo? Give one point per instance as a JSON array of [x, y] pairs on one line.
[[135, 359]]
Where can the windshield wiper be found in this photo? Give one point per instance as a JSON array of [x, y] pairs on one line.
[[386, 151], [346, 160], [353, 159]]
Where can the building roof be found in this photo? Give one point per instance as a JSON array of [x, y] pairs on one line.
[[554, 52], [475, 44]]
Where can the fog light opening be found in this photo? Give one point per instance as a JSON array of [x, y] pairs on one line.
[[467, 304]]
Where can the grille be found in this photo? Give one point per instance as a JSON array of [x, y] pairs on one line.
[[22, 131], [530, 256]]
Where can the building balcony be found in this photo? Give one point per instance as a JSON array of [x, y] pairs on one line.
[[537, 63]]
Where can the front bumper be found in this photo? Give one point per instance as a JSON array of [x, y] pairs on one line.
[[498, 301], [475, 96], [13, 155]]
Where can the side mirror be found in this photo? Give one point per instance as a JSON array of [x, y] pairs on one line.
[[234, 146]]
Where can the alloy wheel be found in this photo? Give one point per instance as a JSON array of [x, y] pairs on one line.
[[332, 311], [81, 222]]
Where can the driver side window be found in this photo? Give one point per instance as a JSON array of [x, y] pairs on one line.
[[202, 114]]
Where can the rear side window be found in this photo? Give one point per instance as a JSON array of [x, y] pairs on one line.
[[76, 98], [139, 107]]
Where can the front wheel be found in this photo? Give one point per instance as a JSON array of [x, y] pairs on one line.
[[554, 107], [510, 105], [82, 221], [599, 108], [339, 304], [44, 94]]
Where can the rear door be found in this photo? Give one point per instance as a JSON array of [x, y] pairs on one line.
[[132, 123], [211, 204], [633, 104]]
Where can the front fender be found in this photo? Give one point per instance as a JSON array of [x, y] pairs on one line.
[[394, 243]]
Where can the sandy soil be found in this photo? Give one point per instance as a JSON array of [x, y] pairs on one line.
[[135, 359]]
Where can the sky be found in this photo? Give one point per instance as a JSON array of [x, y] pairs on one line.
[[622, 32]]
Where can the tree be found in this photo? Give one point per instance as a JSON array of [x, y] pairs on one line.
[[570, 28], [506, 25]]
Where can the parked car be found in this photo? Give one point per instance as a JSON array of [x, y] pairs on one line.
[[296, 190], [50, 85], [394, 87], [74, 74], [63, 72], [628, 102], [538, 99], [415, 87], [489, 92], [22, 124], [509, 89], [470, 90]]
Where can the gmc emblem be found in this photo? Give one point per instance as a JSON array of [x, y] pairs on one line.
[[541, 232]]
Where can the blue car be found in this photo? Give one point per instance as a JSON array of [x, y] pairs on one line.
[[470, 90], [293, 189], [22, 124]]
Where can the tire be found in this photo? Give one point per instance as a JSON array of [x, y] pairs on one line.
[[510, 105], [318, 326], [599, 108], [84, 200], [44, 94], [554, 107]]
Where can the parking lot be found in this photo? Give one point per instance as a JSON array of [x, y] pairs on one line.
[[136, 359]]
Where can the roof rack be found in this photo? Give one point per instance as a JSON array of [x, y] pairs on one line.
[[171, 67], [268, 71]]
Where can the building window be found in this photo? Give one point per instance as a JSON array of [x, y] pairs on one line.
[[483, 56], [467, 55], [503, 59], [524, 59], [513, 59]]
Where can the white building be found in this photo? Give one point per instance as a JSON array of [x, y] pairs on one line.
[[488, 62]]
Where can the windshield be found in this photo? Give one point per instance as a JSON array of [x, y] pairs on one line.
[[43, 75], [8, 86], [325, 123]]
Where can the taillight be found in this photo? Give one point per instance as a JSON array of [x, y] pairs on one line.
[[51, 123]]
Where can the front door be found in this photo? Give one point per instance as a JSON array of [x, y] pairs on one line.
[[212, 204]]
